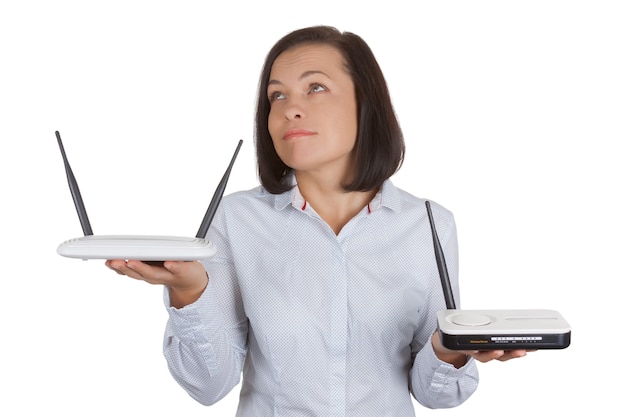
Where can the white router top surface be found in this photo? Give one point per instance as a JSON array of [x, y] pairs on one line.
[[530, 321]]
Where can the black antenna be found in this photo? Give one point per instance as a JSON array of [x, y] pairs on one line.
[[441, 263], [217, 197], [78, 200]]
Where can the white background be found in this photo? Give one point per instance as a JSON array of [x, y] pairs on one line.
[[514, 117]]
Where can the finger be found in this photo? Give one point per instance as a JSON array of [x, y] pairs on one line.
[[111, 265], [127, 268], [512, 354], [179, 267], [187, 269], [153, 274], [118, 265], [487, 355]]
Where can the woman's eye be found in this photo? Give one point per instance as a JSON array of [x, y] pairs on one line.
[[276, 95], [316, 88]]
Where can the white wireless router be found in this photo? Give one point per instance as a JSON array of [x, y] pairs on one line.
[[150, 249], [494, 329]]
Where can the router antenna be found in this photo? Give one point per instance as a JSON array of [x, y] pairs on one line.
[[441, 263], [78, 200], [217, 197]]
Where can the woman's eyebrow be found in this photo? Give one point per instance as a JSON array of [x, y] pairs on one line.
[[312, 72], [303, 76]]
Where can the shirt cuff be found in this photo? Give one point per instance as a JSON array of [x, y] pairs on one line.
[[195, 321], [444, 373]]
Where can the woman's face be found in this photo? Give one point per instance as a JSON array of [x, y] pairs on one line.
[[313, 114]]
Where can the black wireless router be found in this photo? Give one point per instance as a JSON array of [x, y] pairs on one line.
[[150, 249], [494, 329]]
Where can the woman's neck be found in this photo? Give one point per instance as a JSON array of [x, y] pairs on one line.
[[333, 204]]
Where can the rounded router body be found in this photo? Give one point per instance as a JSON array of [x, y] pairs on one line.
[[145, 248]]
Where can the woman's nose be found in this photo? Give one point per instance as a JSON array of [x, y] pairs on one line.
[[294, 111]]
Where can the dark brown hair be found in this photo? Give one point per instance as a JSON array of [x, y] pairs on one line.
[[379, 145]]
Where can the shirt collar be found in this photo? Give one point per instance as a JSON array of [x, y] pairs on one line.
[[388, 196]]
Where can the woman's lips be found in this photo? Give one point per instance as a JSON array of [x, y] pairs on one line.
[[297, 133]]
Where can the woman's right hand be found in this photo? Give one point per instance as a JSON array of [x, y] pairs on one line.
[[185, 280]]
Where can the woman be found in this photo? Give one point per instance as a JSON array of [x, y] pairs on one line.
[[324, 288]]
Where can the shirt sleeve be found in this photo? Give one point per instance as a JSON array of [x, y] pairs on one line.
[[205, 342]]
